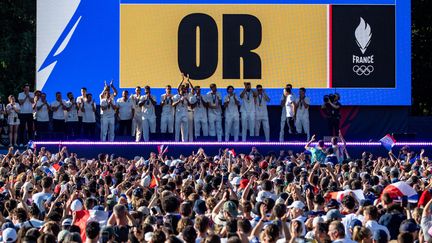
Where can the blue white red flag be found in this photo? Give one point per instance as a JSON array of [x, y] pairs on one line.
[[388, 142]]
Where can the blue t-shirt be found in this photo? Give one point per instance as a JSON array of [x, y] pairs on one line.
[[318, 155]]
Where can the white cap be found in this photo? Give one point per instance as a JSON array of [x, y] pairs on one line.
[[76, 205], [236, 181], [44, 159], [297, 204], [67, 222], [9, 235], [145, 182], [28, 186], [317, 220], [148, 236]]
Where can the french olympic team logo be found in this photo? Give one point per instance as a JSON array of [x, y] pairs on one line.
[[363, 35]]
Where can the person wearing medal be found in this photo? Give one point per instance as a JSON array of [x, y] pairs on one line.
[[167, 116], [247, 110], [149, 115], [214, 99], [138, 103], [231, 104], [199, 105], [261, 113], [181, 102]]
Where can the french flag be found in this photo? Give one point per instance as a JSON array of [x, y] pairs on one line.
[[358, 195], [31, 145], [232, 153], [162, 149], [399, 189], [388, 142], [84, 216]]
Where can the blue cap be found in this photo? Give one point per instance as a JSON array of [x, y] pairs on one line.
[[332, 203], [200, 207], [408, 226], [7, 224], [334, 214], [354, 223], [380, 235]]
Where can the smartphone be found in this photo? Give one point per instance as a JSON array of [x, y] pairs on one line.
[[404, 201]]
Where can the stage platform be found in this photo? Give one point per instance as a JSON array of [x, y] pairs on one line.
[[132, 149]]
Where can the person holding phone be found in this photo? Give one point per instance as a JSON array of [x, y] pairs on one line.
[[13, 110]]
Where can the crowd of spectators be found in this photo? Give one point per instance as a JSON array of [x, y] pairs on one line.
[[59, 196]]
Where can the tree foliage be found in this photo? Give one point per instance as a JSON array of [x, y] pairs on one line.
[[421, 57], [17, 45]]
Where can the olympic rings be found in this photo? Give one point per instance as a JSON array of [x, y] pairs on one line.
[[363, 70]]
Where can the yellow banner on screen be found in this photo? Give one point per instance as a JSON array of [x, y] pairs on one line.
[[293, 47]]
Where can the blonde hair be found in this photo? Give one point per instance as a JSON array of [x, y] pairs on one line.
[[361, 233]]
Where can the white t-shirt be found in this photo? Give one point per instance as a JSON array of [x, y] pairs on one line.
[[181, 107], [167, 109], [288, 106], [136, 100], [2, 108], [88, 114], [59, 114], [301, 110], [373, 226], [42, 115], [214, 99], [248, 102], [261, 106], [109, 112], [39, 199], [148, 107], [232, 108], [80, 100], [72, 115], [11, 112], [124, 108], [199, 109], [26, 107]]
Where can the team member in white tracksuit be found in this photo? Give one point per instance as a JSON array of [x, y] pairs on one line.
[[181, 102], [302, 113], [108, 107], [199, 105], [214, 99], [125, 114], [167, 116], [149, 115], [283, 113], [290, 111], [189, 93], [247, 110], [138, 102], [261, 113], [232, 123]]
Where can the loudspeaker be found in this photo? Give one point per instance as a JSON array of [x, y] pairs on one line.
[[405, 137]]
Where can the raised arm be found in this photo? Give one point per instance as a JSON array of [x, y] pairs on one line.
[[307, 146], [181, 82]]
